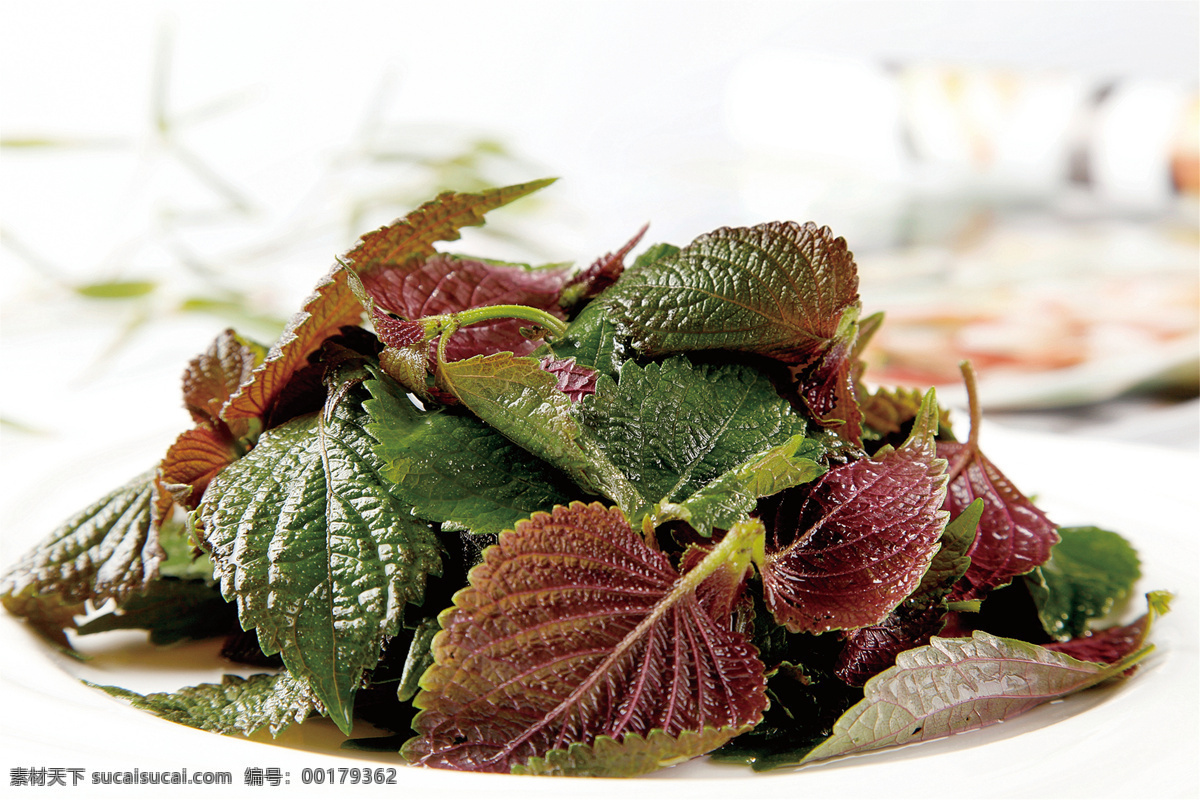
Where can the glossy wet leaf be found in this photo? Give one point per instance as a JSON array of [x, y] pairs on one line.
[[844, 551], [321, 557], [673, 427], [572, 379], [108, 550], [1111, 645], [574, 629], [593, 339], [956, 685], [522, 401], [778, 289], [922, 615], [451, 467], [1014, 535], [236, 705], [1089, 573]]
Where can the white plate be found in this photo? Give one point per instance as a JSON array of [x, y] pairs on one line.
[[1138, 738]]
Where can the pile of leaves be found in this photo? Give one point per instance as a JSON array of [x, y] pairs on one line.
[[587, 521]]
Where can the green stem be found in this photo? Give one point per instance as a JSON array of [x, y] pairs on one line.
[[472, 316]]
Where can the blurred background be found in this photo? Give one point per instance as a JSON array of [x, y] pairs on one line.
[[1018, 181]]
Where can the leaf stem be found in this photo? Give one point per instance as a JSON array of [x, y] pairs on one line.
[[545, 319], [976, 416]]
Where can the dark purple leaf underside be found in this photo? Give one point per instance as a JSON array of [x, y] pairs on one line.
[[1014, 535], [570, 630], [395, 332]]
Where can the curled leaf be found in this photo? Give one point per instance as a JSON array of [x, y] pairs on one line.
[[215, 375], [955, 685], [330, 307]]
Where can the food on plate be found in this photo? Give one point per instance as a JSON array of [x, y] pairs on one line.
[[587, 521]]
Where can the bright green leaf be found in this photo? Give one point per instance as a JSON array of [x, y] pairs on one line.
[[1089, 572], [453, 468], [778, 289], [521, 400], [673, 428], [731, 496]]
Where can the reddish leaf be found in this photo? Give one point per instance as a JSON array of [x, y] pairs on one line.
[[573, 380], [212, 377], [329, 308], [395, 332], [411, 239], [574, 629], [872, 649], [922, 615], [193, 460], [1014, 535], [1106, 646], [845, 550], [1115, 644], [827, 384], [445, 284], [604, 271], [334, 303]]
